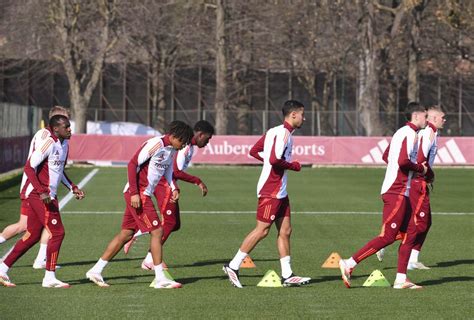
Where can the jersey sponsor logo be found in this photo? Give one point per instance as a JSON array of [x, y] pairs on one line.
[[57, 153], [376, 153], [450, 153]]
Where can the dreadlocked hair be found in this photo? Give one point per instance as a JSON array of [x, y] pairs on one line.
[[180, 130]]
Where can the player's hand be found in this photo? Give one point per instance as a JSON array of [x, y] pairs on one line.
[[203, 188], [295, 166], [45, 198], [425, 168], [135, 201], [175, 196], [78, 193]]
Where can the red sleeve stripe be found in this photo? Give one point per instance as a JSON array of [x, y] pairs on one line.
[[287, 135], [155, 147], [46, 146]]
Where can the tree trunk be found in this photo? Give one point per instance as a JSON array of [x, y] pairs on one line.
[[368, 74], [413, 57], [79, 107], [220, 104]]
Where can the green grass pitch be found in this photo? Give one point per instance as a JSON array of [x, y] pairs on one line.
[[211, 234]]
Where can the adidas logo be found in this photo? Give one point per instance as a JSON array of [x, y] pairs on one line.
[[450, 153], [375, 154]]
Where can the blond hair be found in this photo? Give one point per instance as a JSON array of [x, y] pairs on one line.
[[58, 110]]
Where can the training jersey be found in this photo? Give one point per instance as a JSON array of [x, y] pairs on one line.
[[427, 147], [45, 167], [151, 162], [399, 166], [38, 139], [181, 162], [274, 149]]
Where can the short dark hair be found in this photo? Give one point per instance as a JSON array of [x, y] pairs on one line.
[[204, 126], [56, 120], [413, 107], [180, 130], [290, 106]]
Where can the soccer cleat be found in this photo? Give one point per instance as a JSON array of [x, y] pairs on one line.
[[380, 254], [294, 281], [167, 284], [417, 266], [97, 279], [126, 247], [148, 266], [54, 283], [5, 281], [406, 285], [233, 276], [345, 273]]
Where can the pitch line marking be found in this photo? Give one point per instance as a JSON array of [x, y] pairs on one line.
[[295, 212], [81, 184]]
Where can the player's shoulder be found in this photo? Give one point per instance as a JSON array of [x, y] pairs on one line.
[[42, 134]]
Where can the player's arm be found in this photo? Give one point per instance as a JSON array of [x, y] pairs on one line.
[[257, 148], [404, 161], [173, 185], [36, 158], [276, 155], [140, 157], [180, 163]]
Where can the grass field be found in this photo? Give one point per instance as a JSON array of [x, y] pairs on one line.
[[212, 232]]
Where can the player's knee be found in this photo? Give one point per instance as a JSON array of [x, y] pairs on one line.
[[285, 232], [157, 233], [264, 232]]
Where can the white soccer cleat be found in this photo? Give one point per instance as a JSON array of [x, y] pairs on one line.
[[148, 266], [97, 279], [5, 281], [128, 245], [406, 285], [233, 276], [294, 281], [417, 266], [380, 254], [54, 283], [345, 273], [167, 284]]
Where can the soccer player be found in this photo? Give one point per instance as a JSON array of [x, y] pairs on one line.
[[20, 226], [151, 161], [274, 150], [169, 209], [395, 192], [44, 171], [419, 191]]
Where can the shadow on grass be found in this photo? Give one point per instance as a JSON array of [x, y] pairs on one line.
[[446, 264], [445, 280], [79, 263], [204, 263]]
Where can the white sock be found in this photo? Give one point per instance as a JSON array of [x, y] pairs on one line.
[[99, 266], [42, 253], [414, 255], [286, 271], [6, 254], [401, 277], [159, 275], [139, 233], [50, 275], [149, 258], [2, 239], [4, 268], [237, 261], [350, 262]]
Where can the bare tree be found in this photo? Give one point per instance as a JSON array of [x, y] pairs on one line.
[[85, 36], [220, 103]]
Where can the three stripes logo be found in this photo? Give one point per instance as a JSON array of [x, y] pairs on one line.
[[449, 154]]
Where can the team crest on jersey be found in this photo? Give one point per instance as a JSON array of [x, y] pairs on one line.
[[422, 214], [168, 212], [155, 223], [393, 225], [54, 221]]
